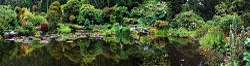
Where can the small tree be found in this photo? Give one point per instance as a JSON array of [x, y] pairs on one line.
[[54, 14]]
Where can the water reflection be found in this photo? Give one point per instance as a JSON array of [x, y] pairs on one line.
[[104, 51]]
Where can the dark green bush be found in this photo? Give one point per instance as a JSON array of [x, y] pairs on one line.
[[109, 3], [229, 7], [151, 11], [88, 14], [245, 18], [7, 17], [125, 31], [54, 14], [187, 19], [72, 7], [214, 39], [226, 20], [179, 32], [202, 31], [118, 13]]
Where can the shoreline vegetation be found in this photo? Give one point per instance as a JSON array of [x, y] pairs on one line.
[[220, 27]]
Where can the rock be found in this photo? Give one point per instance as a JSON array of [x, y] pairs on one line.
[[0, 37], [44, 42], [146, 47], [145, 29], [27, 41], [69, 41], [10, 39], [19, 40], [136, 28], [59, 40], [12, 33], [120, 29], [8, 35]]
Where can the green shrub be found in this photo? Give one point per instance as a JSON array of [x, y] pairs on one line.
[[214, 39], [29, 28], [226, 21], [35, 20], [180, 32], [7, 17], [229, 7], [63, 28], [202, 31], [129, 21], [151, 11], [186, 19], [72, 7], [162, 31], [118, 13], [245, 18], [125, 31], [160, 24], [54, 14], [88, 14], [109, 3]]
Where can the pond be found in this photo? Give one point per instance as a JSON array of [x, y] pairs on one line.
[[106, 51]]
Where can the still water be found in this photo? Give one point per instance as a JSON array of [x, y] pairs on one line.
[[107, 51]]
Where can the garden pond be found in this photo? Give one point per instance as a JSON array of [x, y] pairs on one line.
[[102, 51]]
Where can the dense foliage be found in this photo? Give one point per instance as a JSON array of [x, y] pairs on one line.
[[151, 11], [187, 20], [7, 17], [207, 21], [226, 20], [72, 7], [89, 15], [54, 14], [118, 13]]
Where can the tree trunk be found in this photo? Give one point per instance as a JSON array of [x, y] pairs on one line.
[[47, 5]]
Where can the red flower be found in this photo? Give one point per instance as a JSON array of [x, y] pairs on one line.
[[25, 23], [44, 27]]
